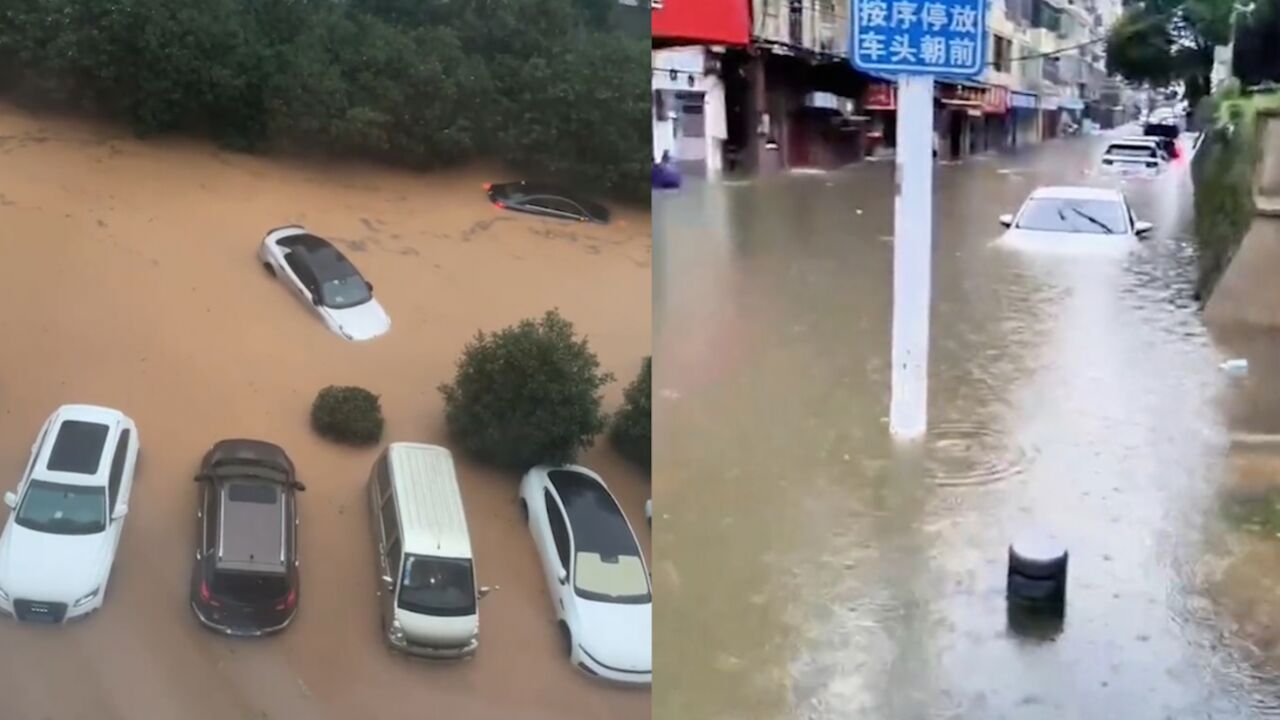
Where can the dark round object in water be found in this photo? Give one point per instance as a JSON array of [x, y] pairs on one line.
[[1038, 572], [665, 176]]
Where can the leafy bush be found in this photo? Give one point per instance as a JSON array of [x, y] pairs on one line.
[[554, 88], [632, 429], [526, 395], [350, 415]]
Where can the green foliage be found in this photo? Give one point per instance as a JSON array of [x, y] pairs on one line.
[[350, 415], [1222, 171], [555, 88], [632, 428], [1162, 41], [526, 395]]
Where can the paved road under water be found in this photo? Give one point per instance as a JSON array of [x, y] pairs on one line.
[[806, 573]]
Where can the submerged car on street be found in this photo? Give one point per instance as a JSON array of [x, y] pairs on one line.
[[546, 200], [1076, 220], [1133, 158], [326, 281], [245, 579], [67, 515], [594, 570]]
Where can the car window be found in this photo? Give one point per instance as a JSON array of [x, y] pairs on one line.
[[211, 514], [443, 587], [559, 530], [556, 204], [299, 268], [31, 461], [345, 292], [1073, 215], [393, 558], [382, 473], [62, 509], [1133, 151], [389, 526], [117, 468]]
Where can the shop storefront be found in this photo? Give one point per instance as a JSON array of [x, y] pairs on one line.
[[1024, 107], [958, 123], [996, 118], [1050, 115], [1071, 112], [880, 106]]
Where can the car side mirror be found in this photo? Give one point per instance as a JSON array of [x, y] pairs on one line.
[[299, 486], [388, 583], [201, 477], [315, 299], [1006, 220], [11, 499], [1142, 227], [368, 285], [120, 512], [563, 577], [485, 590]]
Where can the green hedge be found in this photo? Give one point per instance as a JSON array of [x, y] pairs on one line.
[[553, 88], [632, 428]]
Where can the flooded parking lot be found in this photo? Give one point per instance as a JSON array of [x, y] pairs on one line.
[[130, 281], [807, 570]]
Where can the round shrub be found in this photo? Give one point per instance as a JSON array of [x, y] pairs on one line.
[[350, 415], [631, 431], [526, 395]]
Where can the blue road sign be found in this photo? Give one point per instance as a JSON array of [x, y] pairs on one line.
[[927, 37]]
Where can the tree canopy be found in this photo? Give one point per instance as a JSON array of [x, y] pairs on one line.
[[1160, 42]]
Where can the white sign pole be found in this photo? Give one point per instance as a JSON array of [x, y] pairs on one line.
[[912, 258]]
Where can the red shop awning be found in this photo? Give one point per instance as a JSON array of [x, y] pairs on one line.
[[713, 22]]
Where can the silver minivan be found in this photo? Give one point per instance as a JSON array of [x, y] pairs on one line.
[[427, 588]]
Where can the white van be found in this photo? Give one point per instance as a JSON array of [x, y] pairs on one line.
[[427, 587]]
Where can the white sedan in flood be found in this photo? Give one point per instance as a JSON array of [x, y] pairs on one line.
[[67, 515], [597, 577], [326, 281], [1074, 220]]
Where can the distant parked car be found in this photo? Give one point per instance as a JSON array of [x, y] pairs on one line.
[[245, 579], [59, 543], [597, 577], [326, 280], [1076, 220], [1168, 147], [547, 200]]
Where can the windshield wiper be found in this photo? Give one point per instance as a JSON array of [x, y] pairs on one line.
[[1090, 218]]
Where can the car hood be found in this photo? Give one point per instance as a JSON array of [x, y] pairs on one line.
[[619, 636], [438, 631], [55, 568], [1068, 243], [362, 322]]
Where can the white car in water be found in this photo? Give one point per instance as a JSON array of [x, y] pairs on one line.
[[67, 515], [595, 572], [326, 281], [1128, 158], [1075, 220]]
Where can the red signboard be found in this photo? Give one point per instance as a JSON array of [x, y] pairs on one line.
[[880, 96], [996, 101], [711, 22]]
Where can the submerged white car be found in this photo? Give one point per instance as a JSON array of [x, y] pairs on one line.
[[1075, 220], [1127, 158], [326, 281], [67, 515], [597, 577]]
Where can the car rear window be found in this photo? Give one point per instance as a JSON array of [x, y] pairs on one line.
[[252, 493], [78, 447], [1133, 151], [250, 587]]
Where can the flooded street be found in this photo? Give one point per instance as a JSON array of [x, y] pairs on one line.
[[806, 570], [131, 281]]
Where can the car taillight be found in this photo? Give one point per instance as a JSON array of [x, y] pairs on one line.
[[499, 204], [205, 596], [488, 187], [289, 600]]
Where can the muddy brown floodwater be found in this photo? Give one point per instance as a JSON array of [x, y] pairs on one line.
[[130, 281]]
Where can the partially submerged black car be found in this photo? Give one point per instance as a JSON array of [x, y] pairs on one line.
[[245, 580], [547, 200]]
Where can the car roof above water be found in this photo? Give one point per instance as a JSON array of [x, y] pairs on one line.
[[1076, 192], [251, 532], [79, 445], [433, 521]]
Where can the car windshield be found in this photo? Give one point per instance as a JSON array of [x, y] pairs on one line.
[[1073, 216], [344, 292], [437, 586], [1134, 151], [617, 578], [63, 509], [249, 587]]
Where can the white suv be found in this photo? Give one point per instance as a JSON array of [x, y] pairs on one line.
[[66, 517]]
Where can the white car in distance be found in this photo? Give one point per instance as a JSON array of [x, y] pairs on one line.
[[1133, 158], [325, 280], [599, 583], [67, 515], [1074, 220]]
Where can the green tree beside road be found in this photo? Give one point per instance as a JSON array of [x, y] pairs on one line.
[[553, 88]]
